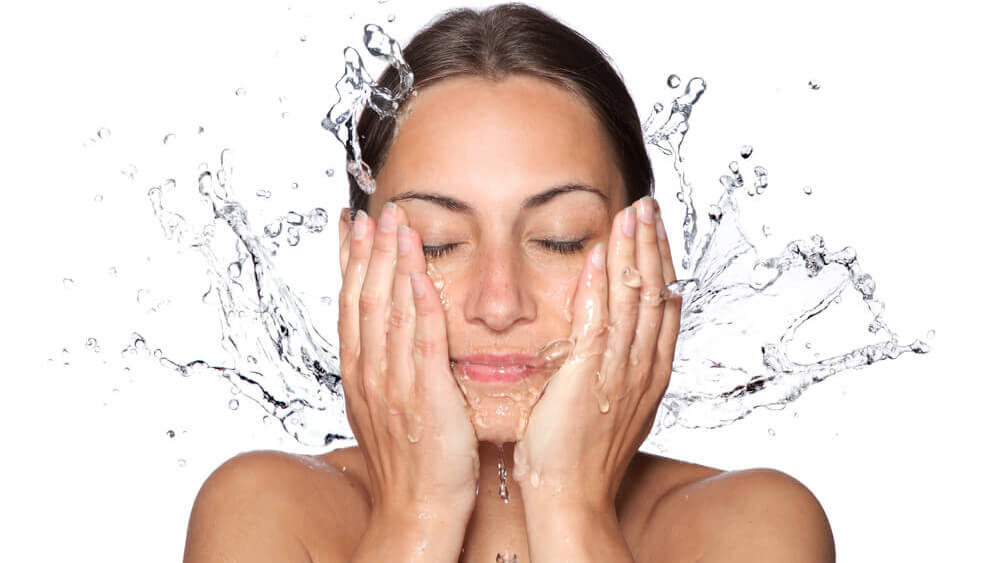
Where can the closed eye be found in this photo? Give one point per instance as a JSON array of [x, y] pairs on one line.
[[558, 246]]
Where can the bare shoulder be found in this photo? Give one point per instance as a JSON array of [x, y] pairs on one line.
[[707, 514], [274, 506]]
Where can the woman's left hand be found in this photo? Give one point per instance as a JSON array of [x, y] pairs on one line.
[[600, 405]]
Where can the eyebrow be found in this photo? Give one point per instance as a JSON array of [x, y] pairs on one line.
[[530, 202]]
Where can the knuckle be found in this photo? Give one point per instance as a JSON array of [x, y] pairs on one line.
[[399, 316], [370, 304], [425, 347]]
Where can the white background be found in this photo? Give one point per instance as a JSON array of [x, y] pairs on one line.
[[899, 144]]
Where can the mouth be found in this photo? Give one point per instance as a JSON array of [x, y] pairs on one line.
[[487, 368]]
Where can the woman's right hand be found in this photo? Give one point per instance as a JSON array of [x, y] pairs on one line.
[[405, 408]]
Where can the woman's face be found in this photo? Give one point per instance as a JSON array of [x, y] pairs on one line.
[[509, 184]]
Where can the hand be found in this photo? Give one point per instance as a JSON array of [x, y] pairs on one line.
[[600, 405], [404, 406]]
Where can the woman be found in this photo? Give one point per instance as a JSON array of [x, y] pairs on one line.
[[533, 318]]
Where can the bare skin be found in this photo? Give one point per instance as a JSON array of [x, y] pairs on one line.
[[517, 264]]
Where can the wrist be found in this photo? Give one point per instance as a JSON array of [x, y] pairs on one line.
[[415, 532], [573, 529]]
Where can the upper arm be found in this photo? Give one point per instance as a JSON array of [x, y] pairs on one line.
[[240, 514], [758, 515]]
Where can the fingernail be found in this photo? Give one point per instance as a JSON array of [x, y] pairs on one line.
[[661, 233], [418, 289], [360, 220], [387, 222], [599, 256], [628, 222], [403, 240], [646, 210]]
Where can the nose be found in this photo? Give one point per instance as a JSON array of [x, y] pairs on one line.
[[499, 297]]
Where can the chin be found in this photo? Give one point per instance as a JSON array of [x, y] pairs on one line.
[[499, 413]]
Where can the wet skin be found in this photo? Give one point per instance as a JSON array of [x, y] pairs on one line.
[[512, 190]]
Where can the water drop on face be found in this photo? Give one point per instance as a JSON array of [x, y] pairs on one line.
[[535, 479], [807, 190], [170, 434], [746, 151], [241, 92], [234, 404], [673, 81]]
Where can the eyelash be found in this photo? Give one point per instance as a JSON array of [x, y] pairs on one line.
[[558, 246]]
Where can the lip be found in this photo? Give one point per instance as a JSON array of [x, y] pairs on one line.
[[488, 368]]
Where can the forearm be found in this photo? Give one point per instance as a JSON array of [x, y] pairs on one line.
[[416, 536], [577, 533]]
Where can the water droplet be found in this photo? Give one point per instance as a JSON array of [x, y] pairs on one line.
[[264, 194], [234, 404], [130, 171], [673, 81], [630, 277], [715, 213], [746, 151], [931, 334], [770, 432], [284, 115], [112, 271], [390, 18], [316, 220], [241, 91], [235, 270], [293, 236], [814, 85], [657, 107], [766, 230], [920, 347], [295, 185], [535, 479], [294, 218], [167, 138], [91, 343], [807, 190], [273, 229], [201, 130], [68, 283], [103, 133], [326, 300], [181, 462], [303, 38], [170, 434]]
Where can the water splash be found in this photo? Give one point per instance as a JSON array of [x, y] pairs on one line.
[[759, 306], [358, 90]]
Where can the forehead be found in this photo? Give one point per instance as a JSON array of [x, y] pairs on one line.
[[492, 143]]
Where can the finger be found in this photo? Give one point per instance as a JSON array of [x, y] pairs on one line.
[[623, 296], [670, 326], [430, 340], [348, 315], [647, 329], [590, 304], [344, 230], [399, 339], [373, 303]]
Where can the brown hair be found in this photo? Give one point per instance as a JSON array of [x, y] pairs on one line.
[[515, 39]]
